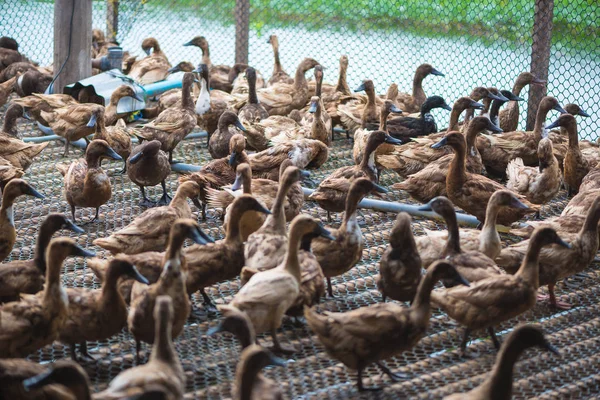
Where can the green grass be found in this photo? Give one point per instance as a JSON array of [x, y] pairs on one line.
[[576, 22]]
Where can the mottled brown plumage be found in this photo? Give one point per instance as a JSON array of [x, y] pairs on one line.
[[538, 184], [400, 264], [430, 182], [575, 165], [152, 68], [558, 262], [171, 283], [253, 110], [333, 190], [117, 136], [266, 248], [229, 125], [150, 230], [6, 88], [509, 116], [581, 203], [35, 320], [498, 150], [98, 314], [175, 123], [13, 149], [148, 165], [490, 301], [223, 260], [111, 116], [474, 265], [412, 103], [279, 75], [498, 385], [269, 294], [28, 276], [86, 183], [219, 74], [471, 192], [36, 103], [371, 334], [249, 383], [8, 233], [356, 113], [163, 371], [219, 173]]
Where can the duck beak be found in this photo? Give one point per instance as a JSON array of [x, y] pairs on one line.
[[147, 51], [436, 72], [583, 113], [174, 69], [197, 81], [207, 238], [233, 158], [237, 184], [71, 226], [446, 107], [440, 144], [391, 140], [476, 105], [324, 232], [214, 330], [494, 128], [559, 109], [260, 208], [38, 381], [550, 348], [516, 203], [277, 361], [360, 88], [113, 154], [92, 122], [425, 207], [81, 252], [239, 125], [135, 274], [496, 96], [379, 188], [304, 173], [562, 243], [313, 107], [196, 236], [462, 280], [553, 125], [32, 192], [189, 43], [136, 157], [395, 109]]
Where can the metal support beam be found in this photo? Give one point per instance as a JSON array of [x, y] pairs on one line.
[[242, 31], [540, 55], [72, 42]]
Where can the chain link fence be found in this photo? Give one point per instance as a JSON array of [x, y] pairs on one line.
[[488, 43]]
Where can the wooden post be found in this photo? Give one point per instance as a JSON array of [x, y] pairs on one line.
[[242, 30], [112, 20], [540, 55], [78, 57]]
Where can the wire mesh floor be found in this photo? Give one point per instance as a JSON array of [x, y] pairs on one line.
[[434, 366]]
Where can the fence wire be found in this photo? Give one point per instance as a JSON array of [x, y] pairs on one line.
[[484, 43]]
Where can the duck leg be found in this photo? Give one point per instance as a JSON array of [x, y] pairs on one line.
[[557, 303], [463, 344], [209, 306], [73, 213], [495, 340], [383, 298], [146, 202], [93, 219], [328, 216], [73, 352], [165, 199], [66, 153], [330, 288], [359, 382], [124, 170], [393, 376], [277, 347], [138, 349], [83, 350]]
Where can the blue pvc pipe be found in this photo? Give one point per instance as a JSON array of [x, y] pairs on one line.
[[156, 88], [183, 168]]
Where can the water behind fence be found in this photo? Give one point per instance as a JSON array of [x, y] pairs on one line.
[[483, 43]]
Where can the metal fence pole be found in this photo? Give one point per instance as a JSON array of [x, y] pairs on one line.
[[242, 30], [112, 20], [540, 54], [72, 41]]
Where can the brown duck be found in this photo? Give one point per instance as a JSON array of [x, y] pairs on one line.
[[28, 276], [8, 233], [148, 165], [13, 149], [111, 115], [218, 144], [371, 334], [412, 103], [509, 117]]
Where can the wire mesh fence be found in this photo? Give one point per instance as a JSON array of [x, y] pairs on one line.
[[488, 43]]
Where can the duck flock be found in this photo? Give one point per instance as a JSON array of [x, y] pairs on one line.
[[265, 135]]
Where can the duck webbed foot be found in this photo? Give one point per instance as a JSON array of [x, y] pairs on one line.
[[145, 202], [330, 288], [360, 386], [209, 306], [66, 153], [91, 221], [83, 350], [278, 347], [394, 376], [561, 305], [165, 199]]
